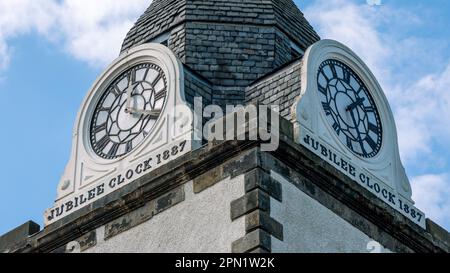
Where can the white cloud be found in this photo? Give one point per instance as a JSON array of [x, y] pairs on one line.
[[431, 193], [423, 115], [350, 24], [421, 102], [91, 31]]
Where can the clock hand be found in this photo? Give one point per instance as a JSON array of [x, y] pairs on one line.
[[357, 130], [130, 88], [357, 103], [152, 113]]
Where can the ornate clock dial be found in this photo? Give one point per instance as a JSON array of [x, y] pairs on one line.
[[349, 108], [116, 130]]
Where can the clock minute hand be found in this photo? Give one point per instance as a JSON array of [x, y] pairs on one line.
[[152, 113], [357, 103]]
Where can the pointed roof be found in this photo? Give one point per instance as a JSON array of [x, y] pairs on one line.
[[163, 15]]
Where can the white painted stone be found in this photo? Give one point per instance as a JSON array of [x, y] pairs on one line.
[[86, 171], [200, 224], [309, 227], [385, 168]]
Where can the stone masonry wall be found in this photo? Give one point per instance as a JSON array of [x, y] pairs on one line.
[[280, 88]]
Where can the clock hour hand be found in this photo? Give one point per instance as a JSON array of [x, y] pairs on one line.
[[130, 89], [151, 113], [357, 103]]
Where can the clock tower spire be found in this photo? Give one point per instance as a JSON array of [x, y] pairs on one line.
[[230, 43]]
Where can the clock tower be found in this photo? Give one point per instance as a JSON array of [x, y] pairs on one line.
[[141, 178]]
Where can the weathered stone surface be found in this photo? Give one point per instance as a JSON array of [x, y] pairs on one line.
[[18, 235], [261, 219], [129, 220], [282, 87], [208, 179], [441, 235], [259, 179], [259, 251], [163, 15], [231, 168], [257, 239], [144, 213], [79, 245], [253, 200], [306, 171], [169, 200]]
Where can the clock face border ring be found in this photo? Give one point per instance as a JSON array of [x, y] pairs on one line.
[[329, 49], [148, 53]]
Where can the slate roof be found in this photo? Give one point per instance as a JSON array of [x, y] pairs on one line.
[[162, 15]]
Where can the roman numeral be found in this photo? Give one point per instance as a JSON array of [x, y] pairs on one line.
[[333, 70], [374, 128], [116, 91], [146, 73], [323, 90], [346, 76], [361, 143], [102, 143], [100, 128], [157, 80], [325, 76], [113, 151], [129, 146], [369, 109], [327, 108], [160, 95], [371, 143], [349, 143], [337, 128]]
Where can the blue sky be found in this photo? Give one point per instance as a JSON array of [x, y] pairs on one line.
[[52, 51]]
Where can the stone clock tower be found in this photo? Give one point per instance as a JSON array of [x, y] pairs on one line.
[[141, 178]]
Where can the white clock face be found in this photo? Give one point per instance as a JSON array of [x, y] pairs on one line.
[[350, 108], [127, 111]]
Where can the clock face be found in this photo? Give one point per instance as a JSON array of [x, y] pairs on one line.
[[349, 108], [121, 122]]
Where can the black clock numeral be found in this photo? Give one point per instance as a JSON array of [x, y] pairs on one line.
[[337, 128], [102, 143], [113, 151], [349, 143], [333, 70], [155, 82], [347, 76], [369, 109], [326, 108], [374, 128], [160, 95], [325, 76], [323, 90], [116, 91], [100, 128], [129, 146], [371, 143], [361, 143], [146, 73]]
